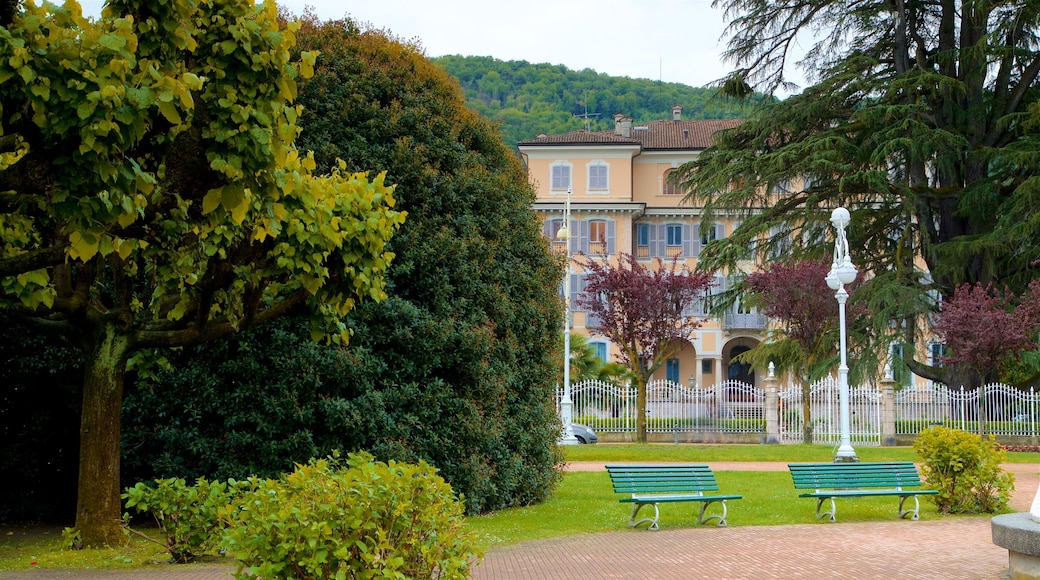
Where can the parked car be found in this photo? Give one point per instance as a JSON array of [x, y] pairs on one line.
[[583, 434]]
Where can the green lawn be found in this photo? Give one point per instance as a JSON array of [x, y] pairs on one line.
[[584, 502]]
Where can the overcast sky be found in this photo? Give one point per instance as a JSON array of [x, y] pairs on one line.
[[670, 40]]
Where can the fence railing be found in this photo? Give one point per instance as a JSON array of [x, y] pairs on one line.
[[995, 408], [736, 407]]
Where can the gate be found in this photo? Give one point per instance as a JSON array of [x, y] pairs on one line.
[[825, 417]]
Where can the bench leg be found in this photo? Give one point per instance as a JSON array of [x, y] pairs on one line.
[[819, 504], [653, 521], [721, 518], [914, 513]]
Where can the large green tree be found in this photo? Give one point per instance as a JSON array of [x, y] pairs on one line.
[[916, 119], [151, 196], [469, 337]]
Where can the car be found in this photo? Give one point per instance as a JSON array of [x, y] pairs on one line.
[[584, 434]]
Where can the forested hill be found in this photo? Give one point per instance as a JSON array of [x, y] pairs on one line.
[[527, 99]]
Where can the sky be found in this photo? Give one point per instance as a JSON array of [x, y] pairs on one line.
[[670, 40]]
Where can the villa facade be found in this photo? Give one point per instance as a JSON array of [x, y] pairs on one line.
[[623, 202]]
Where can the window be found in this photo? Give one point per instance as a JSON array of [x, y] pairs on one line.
[[597, 237], [936, 351], [561, 176], [600, 349], [671, 370], [674, 234], [669, 187], [554, 228], [598, 231], [707, 367], [900, 372], [599, 173], [711, 232], [643, 240], [779, 242], [551, 230]]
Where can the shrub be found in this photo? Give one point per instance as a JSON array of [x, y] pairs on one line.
[[187, 516], [367, 520], [965, 469]]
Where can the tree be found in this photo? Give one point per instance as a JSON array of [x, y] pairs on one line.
[[796, 296], [640, 310], [472, 330], [152, 197], [984, 329], [917, 119]]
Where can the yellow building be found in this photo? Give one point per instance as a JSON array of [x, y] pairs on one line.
[[622, 202]]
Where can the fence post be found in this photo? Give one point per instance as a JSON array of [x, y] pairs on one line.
[[888, 411], [771, 409]]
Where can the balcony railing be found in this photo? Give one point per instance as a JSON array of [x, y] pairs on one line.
[[753, 321]]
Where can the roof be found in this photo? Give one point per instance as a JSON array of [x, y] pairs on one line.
[[655, 135]]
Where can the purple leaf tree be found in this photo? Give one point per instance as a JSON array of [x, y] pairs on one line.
[[641, 310]]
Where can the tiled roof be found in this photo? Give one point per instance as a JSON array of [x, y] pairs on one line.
[[659, 135], [580, 137]]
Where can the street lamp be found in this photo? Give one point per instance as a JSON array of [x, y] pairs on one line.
[[842, 273], [566, 405]]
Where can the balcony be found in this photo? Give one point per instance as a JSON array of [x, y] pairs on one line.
[[752, 321]]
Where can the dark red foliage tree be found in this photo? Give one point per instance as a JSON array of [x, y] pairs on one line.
[[640, 309], [984, 328], [797, 298]]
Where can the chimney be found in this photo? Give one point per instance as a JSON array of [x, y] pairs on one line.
[[617, 122], [622, 125], [677, 112]]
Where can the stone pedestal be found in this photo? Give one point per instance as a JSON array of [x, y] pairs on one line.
[[1020, 534]]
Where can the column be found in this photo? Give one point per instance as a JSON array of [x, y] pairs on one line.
[[772, 406]]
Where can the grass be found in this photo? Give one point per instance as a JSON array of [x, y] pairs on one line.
[[583, 503], [26, 548]]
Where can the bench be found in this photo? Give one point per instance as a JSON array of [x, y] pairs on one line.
[[654, 484], [832, 480]]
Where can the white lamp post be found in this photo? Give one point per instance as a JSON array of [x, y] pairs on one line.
[[842, 273], [566, 405]]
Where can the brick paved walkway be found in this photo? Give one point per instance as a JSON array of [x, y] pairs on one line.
[[950, 549]]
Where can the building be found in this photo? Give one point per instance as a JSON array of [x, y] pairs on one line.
[[623, 202]]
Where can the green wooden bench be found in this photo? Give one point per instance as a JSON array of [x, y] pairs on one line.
[[831, 480], [654, 484]]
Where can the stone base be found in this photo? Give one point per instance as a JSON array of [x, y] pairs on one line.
[[1020, 534]]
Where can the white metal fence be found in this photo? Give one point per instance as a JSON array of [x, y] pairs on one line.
[[995, 408], [728, 407], [735, 407]]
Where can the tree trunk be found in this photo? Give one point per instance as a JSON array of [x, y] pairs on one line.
[[807, 427], [98, 507], [641, 411]]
